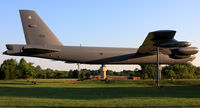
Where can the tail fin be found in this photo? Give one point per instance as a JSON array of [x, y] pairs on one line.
[[36, 31]]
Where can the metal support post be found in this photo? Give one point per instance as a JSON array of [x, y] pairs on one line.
[[79, 71], [157, 70]]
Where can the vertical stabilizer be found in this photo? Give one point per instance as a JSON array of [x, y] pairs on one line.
[[36, 31]]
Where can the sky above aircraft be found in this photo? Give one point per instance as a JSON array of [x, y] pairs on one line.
[[104, 23]]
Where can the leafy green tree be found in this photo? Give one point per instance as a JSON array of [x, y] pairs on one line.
[[85, 73], [38, 72], [82, 75], [148, 71], [24, 68], [168, 72], [50, 73], [109, 72], [31, 70], [73, 74], [179, 71], [137, 72], [8, 68]]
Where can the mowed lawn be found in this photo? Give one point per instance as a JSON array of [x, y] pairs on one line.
[[95, 93]]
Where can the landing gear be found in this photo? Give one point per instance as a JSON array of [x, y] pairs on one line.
[[103, 70]]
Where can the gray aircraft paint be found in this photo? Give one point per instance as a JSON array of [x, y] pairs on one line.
[[41, 42], [36, 31]]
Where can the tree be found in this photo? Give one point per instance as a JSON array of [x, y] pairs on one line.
[[24, 68], [109, 72], [82, 75], [179, 71], [168, 72], [31, 70], [50, 73], [148, 71], [8, 68], [197, 73], [39, 72], [85, 74]]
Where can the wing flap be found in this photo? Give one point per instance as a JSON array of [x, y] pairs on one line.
[[39, 50]]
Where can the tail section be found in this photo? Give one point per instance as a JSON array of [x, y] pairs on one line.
[[36, 31]]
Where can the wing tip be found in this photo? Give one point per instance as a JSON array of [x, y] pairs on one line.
[[26, 10], [158, 31]]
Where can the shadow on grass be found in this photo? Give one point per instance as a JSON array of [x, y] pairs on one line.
[[14, 83], [101, 93], [110, 107]]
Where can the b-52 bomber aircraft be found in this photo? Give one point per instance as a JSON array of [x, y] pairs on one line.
[[41, 42]]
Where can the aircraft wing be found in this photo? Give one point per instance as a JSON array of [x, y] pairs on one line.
[[163, 39]]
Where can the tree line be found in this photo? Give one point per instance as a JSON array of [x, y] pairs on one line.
[[11, 69]]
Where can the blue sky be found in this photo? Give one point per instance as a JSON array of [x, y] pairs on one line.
[[114, 23]]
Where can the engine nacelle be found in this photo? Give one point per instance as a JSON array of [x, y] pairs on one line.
[[185, 51], [173, 44], [179, 56]]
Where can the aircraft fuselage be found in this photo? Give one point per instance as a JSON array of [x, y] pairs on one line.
[[94, 55]]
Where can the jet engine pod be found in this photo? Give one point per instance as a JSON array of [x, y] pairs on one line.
[[179, 56], [174, 43], [185, 51]]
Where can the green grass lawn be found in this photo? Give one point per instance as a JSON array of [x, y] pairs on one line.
[[55, 93]]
